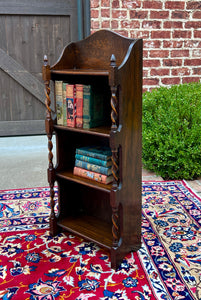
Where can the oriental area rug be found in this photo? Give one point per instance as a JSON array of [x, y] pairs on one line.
[[33, 265]]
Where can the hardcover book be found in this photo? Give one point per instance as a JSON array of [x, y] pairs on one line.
[[64, 104], [92, 175], [92, 167], [100, 152], [93, 107], [59, 101], [71, 105], [92, 160], [79, 105]]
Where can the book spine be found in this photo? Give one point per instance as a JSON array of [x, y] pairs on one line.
[[64, 104], [92, 167], [91, 175], [79, 105], [86, 106], [71, 105], [59, 101], [92, 160], [91, 154]]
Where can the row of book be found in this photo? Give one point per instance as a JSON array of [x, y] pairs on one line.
[[79, 105], [94, 162]]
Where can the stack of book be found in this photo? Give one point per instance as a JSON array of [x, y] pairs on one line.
[[94, 162], [79, 105]]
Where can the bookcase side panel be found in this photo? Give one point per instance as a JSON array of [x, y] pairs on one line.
[[130, 76]]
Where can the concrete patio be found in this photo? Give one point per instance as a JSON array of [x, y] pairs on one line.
[[24, 163]]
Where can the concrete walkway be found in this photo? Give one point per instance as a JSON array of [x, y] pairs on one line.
[[24, 163]]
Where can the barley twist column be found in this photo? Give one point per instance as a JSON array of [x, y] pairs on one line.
[[49, 131], [114, 149]]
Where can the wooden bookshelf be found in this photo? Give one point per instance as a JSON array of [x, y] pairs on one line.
[[109, 215]]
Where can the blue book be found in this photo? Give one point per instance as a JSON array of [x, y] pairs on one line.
[[100, 152], [91, 167], [95, 161]]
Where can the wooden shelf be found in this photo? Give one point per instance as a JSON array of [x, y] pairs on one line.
[[81, 72], [68, 175], [89, 227], [102, 131]]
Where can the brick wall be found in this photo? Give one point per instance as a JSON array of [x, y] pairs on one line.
[[171, 32]]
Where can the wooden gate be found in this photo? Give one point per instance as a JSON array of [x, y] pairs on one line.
[[28, 30]]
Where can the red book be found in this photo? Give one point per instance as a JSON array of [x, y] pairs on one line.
[[71, 105], [79, 105], [92, 175]]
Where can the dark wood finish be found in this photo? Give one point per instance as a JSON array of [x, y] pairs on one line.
[[109, 215]]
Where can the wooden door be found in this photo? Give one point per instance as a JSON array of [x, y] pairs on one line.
[[28, 30]]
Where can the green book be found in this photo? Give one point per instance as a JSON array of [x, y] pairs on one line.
[[59, 101], [93, 107]]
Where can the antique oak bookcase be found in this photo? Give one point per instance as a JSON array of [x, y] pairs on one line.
[[109, 215]]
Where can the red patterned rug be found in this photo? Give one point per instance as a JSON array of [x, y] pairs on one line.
[[35, 266]]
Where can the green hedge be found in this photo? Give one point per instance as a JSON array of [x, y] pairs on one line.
[[172, 131]]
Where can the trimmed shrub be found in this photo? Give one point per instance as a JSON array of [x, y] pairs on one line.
[[172, 131]]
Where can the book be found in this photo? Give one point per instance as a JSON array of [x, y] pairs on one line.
[[92, 160], [64, 104], [100, 152], [93, 167], [79, 105], [71, 105], [93, 107], [59, 101], [92, 175]]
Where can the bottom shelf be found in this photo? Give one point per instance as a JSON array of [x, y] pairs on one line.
[[90, 228]]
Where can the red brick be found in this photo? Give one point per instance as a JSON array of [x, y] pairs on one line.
[[172, 44], [196, 71], [185, 34], [197, 33], [94, 3], [193, 5], [172, 24], [94, 13], [192, 62], [152, 4], [150, 81], [145, 53], [138, 34], [130, 24], [179, 14], [105, 13], [193, 24], [140, 14], [151, 24], [172, 62], [180, 53], [159, 34], [190, 79], [131, 4], [180, 71], [151, 44], [105, 24], [172, 80], [95, 24], [115, 4], [163, 14], [119, 14], [197, 15], [151, 63], [159, 53], [105, 3], [175, 4], [192, 44], [160, 72], [196, 53], [145, 73], [115, 24]]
